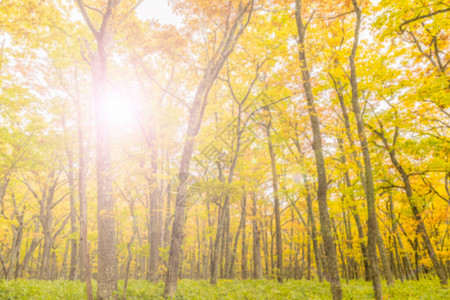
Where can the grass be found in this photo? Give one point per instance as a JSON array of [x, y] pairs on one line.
[[226, 289]]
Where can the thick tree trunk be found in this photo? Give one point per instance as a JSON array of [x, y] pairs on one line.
[[327, 235], [107, 260]]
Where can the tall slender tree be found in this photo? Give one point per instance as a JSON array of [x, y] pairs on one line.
[[332, 270], [237, 19]]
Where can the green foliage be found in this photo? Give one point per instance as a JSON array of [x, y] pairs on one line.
[[226, 289], [40, 289]]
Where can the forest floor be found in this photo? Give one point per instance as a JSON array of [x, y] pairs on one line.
[[226, 289]]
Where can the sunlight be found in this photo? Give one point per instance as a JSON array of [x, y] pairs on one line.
[[119, 110]]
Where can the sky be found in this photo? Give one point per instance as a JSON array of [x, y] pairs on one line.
[[159, 10]]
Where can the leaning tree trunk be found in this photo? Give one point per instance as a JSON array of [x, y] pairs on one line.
[[373, 230], [231, 35], [421, 229], [332, 269]]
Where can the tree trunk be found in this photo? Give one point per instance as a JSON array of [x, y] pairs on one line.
[[369, 187], [348, 183], [154, 202], [276, 200], [107, 260], [311, 219], [257, 264], [244, 237], [154, 224], [16, 245], [312, 223], [440, 269], [327, 235], [73, 213], [231, 35], [84, 266]]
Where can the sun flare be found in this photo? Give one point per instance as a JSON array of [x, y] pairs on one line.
[[119, 110]]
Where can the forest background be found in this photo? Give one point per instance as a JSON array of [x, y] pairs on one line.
[[252, 139]]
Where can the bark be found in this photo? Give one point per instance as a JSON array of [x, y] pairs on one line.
[[327, 235], [107, 260], [373, 230]]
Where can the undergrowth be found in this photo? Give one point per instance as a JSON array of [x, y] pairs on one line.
[[226, 289]]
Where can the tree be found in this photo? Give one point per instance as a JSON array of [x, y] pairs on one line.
[[332, 271], [107, 261], [237, 19]]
